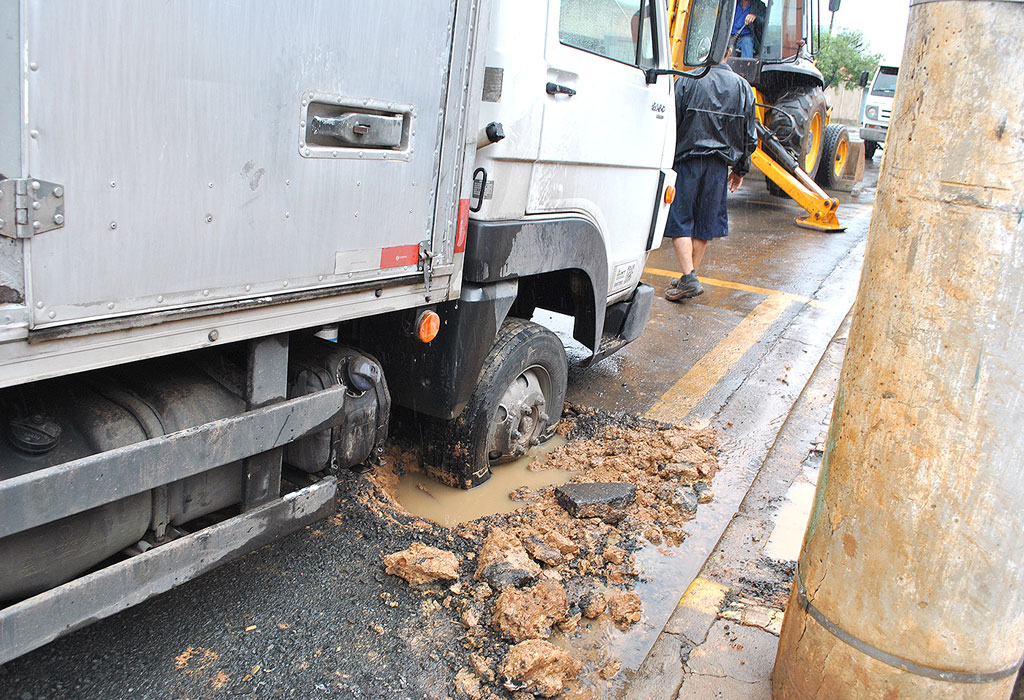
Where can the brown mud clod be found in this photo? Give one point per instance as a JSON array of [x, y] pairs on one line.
[[422, 564]]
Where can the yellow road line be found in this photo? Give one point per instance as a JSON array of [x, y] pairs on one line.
[[679, 400], [685, 394], [703, 595], [739, 286]]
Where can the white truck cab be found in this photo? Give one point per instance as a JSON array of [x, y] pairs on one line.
[[877, 111], [598, 142]]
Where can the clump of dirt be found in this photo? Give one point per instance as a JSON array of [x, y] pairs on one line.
[[626, 608], [504, 561], [527, 573], [422, 564], [538, 667], [530, 613]]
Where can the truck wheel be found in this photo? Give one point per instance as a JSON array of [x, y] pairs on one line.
[[869, 149], [804, 134], [516, 404], [834, 155]]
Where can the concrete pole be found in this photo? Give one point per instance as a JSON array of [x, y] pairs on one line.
[[910, 584]]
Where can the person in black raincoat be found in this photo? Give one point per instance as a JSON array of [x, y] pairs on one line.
[[715, 131]]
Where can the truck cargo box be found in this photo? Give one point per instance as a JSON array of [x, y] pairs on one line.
[[197, 171]]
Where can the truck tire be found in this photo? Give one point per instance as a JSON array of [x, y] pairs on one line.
[[869, 149], [804, 134], [516, 404], [834, 155]]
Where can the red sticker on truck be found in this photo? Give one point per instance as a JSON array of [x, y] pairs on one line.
[[460, 235], [400, 255]]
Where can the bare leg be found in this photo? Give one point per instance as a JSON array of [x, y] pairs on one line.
[[685, 253], [699, 247]]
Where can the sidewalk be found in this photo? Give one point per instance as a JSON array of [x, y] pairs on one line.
[[721, 640]]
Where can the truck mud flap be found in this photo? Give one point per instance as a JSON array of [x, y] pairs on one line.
[[33, 622]]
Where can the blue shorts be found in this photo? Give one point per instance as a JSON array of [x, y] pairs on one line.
[[699, 209]]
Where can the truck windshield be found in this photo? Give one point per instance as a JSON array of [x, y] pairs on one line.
[[783, 30], [608, 28], [885, 82]]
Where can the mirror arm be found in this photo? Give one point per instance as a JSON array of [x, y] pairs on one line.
[[653, 73]]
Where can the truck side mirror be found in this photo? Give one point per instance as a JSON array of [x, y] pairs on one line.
[[833, 5], [864, 79], [707, 38], [707, 32]]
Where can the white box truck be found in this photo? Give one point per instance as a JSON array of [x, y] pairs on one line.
[[191, 191]]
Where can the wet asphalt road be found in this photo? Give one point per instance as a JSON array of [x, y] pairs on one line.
[[304, 617], [763, 250]]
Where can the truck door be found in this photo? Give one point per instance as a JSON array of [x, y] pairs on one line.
[[605, 132], [223, 152]]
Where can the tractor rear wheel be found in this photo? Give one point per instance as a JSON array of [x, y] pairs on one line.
[[802, 131], [834, 155]]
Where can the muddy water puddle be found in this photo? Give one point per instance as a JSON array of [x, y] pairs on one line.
[[427, 498], [596, 642]]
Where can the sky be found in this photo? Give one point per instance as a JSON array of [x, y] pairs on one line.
[[883, 23]]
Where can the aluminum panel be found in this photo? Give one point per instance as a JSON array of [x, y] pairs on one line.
[[10, 89], [178, 132]]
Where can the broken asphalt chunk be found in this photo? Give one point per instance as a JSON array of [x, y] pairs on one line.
[[607, 501]]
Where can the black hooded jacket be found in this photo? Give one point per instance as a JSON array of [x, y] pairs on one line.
[[715, 116]]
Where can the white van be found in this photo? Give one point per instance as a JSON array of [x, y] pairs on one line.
[[874, 121]]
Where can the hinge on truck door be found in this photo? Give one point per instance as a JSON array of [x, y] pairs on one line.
[[29, 206], [426, 262]]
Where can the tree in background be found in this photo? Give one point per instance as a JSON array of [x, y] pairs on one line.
[[843, 56]]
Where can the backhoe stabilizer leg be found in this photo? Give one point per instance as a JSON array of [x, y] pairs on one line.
[[821, 209]]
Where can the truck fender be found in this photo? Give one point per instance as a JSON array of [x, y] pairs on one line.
[[504, 250]]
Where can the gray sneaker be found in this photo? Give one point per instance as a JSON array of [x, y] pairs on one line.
[[686, 287]]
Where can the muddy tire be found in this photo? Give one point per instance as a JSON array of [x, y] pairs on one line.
[[834, 155], [516, 404], [869, 149], [803, 135]]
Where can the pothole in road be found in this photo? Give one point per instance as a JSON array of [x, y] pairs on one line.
[[543, 585]]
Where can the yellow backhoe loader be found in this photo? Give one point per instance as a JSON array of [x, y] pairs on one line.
[[798, 149]]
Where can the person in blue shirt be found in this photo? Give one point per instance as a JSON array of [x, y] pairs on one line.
[[748, 27]]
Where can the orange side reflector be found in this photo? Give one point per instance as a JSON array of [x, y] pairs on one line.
[[427, 326], [670, 195]]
